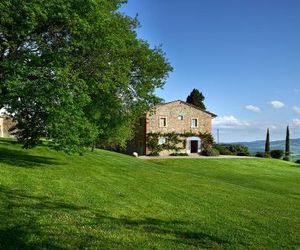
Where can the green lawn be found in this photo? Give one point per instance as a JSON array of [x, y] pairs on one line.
[[50, 200]]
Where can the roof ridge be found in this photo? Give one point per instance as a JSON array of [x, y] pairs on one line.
[[189, 104]]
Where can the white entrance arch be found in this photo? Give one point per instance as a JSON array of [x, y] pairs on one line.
[[193, 144]]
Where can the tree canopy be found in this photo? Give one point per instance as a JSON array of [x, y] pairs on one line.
[[75, 71], [196, 98]]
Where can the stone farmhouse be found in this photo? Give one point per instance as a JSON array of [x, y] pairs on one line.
[[174, 117]]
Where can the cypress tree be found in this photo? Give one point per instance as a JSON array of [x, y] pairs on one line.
[[287, 143], [267, 146], [196, 98]]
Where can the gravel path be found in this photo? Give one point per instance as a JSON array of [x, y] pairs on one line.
[[194, 157]]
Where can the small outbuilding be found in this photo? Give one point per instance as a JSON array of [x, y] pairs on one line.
[[6, 124]]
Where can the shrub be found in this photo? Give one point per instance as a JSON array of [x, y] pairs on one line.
[[210, 152], [242, 154], [237, 148], [207, 140], [222, 149], [298, 161], [277, 154], [153, 154], [260, 154], [153, 144], [287, 158], [179, 154], [234, 149], [267, 155]]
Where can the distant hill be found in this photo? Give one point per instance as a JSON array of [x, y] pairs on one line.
[[259, 146]]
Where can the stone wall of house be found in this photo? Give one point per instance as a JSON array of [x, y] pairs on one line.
[[6, 123], [173, 112], [178, 116]]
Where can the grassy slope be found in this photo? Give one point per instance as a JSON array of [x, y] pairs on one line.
[[105, 200]]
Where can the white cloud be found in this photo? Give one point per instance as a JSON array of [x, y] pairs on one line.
[[253, 108], [264, 125], [296, 122], [229, 122], [277, 104], [296, 109]]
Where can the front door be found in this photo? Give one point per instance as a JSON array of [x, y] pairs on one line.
[[194, 147]]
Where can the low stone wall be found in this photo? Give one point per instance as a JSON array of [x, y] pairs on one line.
[[168, 152]]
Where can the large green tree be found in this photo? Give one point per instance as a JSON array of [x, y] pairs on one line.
[[196, 98], [75, 71]]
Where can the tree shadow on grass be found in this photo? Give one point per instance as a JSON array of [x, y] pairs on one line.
[[40, 222], [22, 159], [172, 231], [20, 228], [42, 143], [8, 141]]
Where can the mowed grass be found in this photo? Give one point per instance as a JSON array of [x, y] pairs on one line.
[[104, 200]]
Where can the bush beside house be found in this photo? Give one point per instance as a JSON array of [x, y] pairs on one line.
[[232, 149], [277, 154]]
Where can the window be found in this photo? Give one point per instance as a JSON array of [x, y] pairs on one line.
[[194, 123], [163, 122], [180, 117], [162, 140]]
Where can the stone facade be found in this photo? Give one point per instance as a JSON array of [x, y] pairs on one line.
[[179, 117], [6, 123]]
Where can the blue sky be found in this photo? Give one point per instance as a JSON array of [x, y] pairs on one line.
[[244, 55]]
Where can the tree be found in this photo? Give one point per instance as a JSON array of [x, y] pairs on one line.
[[196, 98], [277, 154], [267, 146], [287, 144], [75, 71], [207, 140]]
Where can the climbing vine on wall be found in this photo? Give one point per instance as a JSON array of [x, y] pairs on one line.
[[175, 141], [153, 143]]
